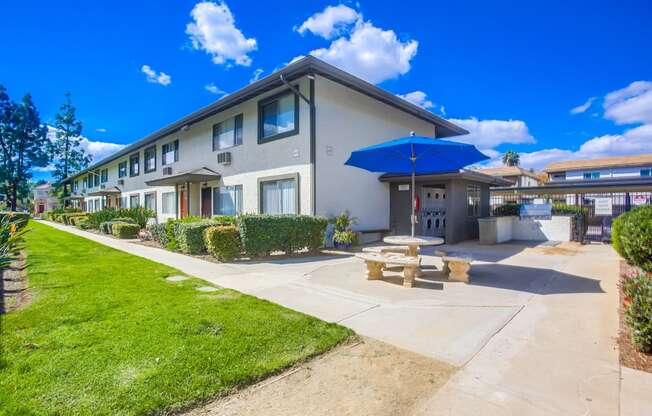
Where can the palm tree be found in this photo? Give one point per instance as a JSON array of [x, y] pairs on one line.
[[511, 158]]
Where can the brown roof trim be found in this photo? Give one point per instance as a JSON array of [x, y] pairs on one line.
[[605, 162], [464, 174]]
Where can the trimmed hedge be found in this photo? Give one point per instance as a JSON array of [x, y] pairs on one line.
[[189, 236], [634, 234], [107, 226], [616, 226], [264, 234], [507, 210], [158, 233], [74, 220], [125, 230], [82, 223], [139, 215], [223, 242], [638, 315]]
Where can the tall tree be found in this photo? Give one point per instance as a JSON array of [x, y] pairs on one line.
[[65, 149], [22, 146], [511, 158]]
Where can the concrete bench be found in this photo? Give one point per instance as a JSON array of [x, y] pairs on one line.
[[457, 268], [376, 262]]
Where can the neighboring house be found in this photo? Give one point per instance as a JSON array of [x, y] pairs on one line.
[[611, 169], [276, 146], [516, 175], [44, 200]]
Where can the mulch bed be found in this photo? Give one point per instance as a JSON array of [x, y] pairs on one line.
[[629, 356], [14, 293]]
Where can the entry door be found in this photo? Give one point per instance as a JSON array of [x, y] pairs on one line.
[[206, 208], [183, 204]]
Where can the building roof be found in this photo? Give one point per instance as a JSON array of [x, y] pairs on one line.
[[639, 184], [605, 162], [308, 65], [44, 186], [503, 171]]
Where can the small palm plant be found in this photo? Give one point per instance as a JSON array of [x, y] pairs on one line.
[[11, 238]]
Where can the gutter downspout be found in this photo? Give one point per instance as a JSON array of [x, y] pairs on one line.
[[313, 135]]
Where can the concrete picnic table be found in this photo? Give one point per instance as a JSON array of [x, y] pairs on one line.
[[413, 244]]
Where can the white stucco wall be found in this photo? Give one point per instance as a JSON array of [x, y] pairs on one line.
[[502, 229], [348, 120]]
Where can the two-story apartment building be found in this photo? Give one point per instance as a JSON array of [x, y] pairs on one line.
[[276, 146], [603, 169], [516, 175]]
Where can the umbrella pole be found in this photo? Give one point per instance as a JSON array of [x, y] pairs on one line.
[[412, 214]]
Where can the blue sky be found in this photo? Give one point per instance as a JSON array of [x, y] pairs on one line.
[[511, 72]]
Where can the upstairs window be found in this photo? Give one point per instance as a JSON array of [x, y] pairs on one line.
[[134, 164], [227, 133], [170, 153], [104, 175], [96, 178], [645, 172], [591, 175], [75, 186], [150, 159], [122, 169], [278, 117]]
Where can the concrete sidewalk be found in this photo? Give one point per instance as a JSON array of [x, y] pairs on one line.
[[534, 334]]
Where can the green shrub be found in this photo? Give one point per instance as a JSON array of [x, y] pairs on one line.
[[264, 234], [638, 315], [189, 236], [66, 217], [223, 242], [82, 223], [158, 233], [138, 215], [616, 226], [125, 230], [506, 210], [635, 237], [11, 237], [74, 220]]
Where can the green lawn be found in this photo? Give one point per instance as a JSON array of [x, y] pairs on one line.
[[106, 334]]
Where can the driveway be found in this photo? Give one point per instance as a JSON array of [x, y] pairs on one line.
[[534, 333]]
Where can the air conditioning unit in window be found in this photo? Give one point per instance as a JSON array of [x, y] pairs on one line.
[[167, 171], [102, 186], [224, 158], [121, 182]]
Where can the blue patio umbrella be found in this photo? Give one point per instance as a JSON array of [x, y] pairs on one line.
[[415, 156]]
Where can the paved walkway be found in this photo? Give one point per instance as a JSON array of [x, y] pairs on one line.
[[534, 334]]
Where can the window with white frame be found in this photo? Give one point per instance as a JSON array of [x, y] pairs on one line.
[[228, 133], [279, 196], [97, 204], [104, 175], [473, 200], [134, 201], [227, 200], [134, 164], [122, 169], [150, 201], [123, 202], [169, 203], [170, 153], [96, 178], [278, 117]]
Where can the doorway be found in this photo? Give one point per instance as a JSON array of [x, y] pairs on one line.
[[183, 204], [206, 208]]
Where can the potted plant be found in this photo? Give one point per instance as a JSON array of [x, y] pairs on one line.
[[344, 237]]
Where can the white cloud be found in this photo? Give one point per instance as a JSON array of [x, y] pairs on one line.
[[419, 98], [632, 104], [98, 150], [366, 51], [213, 30], [583, 107], [156, 77], [333, 21], [255, 76], [213, 89], [442, 110], [486, 134], [101, 130]]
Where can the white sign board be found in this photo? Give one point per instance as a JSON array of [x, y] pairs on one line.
[[539, 201], [603, 206], [639, 200], [404, 187]]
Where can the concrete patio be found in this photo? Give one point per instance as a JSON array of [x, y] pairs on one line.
[[534, 333]]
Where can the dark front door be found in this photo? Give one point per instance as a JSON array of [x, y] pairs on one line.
[[206, 206]]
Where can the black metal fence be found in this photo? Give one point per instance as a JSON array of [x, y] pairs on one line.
[[598, 227]]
